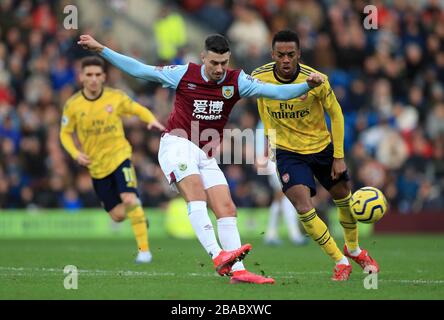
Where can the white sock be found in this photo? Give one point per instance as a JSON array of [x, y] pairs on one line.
[[343, 260], [229, 237], [272, 229], [198, 214], [291, 219], [355, 252]]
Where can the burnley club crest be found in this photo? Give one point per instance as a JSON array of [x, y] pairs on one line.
[[227, 91]]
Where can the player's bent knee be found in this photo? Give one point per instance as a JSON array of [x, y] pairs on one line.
[[117, 214], [192, 189], [129, 200], [225, 209], [301, 206], [118, 218]]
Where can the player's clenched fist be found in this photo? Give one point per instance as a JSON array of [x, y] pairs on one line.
[[315, 79], [89, 43]]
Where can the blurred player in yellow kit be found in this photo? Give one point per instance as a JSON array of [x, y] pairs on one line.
[[95, 115], [304, 149]]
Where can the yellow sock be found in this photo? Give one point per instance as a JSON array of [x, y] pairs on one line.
[[318, 231], [139, 225], [348, 222]]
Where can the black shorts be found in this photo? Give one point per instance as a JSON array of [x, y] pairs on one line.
[[295, 168], [108, 189]]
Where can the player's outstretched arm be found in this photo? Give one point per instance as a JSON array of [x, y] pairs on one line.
[[168, 76], [127, 64], [248, 87]]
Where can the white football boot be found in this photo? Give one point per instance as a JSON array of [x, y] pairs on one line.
[[144, 257]]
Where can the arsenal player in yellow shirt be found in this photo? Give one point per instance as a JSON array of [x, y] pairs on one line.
[[303, 148], [95, 115]]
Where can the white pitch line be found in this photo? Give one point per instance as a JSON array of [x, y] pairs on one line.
[[139, 273], [413, 281], [20, 271], [91, 272]]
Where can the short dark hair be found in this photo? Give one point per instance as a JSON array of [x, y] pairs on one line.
[[93, 61], [285, 36], [217, 43]]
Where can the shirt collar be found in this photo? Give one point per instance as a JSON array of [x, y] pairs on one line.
[[202, 73], [276, 76], [94, 99]]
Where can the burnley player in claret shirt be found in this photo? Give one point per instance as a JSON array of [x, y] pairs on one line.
[[205, 96]]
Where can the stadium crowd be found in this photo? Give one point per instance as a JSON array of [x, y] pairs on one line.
[[389, 82]]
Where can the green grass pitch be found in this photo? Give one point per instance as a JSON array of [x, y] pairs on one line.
[[411, 268]]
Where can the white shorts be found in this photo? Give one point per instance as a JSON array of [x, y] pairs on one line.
[[179, 158]]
